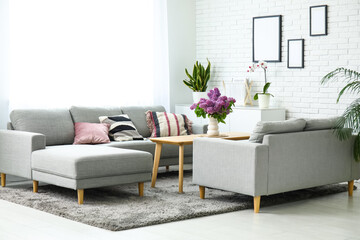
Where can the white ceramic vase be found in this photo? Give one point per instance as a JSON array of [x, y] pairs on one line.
[[213, 127], [198, 95], [264, 100]]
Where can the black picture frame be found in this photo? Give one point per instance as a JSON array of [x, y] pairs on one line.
[[266, 38], [318, 20], [295, 53]]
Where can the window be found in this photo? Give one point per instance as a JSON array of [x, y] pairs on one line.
[[81, 52]]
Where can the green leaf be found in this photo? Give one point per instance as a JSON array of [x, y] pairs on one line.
[[349, 123], [266, 87], [208, 68], [256, 96], [352, 87], [346, 75], [189, 76], [188, 84], [194, 71]]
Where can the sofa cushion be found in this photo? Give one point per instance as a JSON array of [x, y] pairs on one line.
[[85, 161], [320, 123], [167, 151], [55, 124], [263, 128], [138, 117], [92, 114], [121, 128], [91, 133]]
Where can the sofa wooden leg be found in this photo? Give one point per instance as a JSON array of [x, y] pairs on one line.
[[141, 189], [35, 186], [3, 179], [80, 193], [167, 168], [202, 192], [256, 204], [350, 187]]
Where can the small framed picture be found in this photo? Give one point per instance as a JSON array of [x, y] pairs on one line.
[[267, 38], [295, 53], [318, 20]]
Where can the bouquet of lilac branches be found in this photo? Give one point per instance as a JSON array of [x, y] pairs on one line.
[[216, 106]]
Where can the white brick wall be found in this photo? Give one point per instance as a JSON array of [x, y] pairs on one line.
[[224, 35]]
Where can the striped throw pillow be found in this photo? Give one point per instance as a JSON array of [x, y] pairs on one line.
[[163, 124], [121, 128]]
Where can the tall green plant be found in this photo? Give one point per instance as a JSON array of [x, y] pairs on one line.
[[200, 77], [349, 123]]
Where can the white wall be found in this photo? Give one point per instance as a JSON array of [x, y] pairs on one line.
[[224, 35], [4, 46], [182, 48]]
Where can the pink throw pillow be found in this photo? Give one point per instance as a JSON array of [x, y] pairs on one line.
[[91, 133]]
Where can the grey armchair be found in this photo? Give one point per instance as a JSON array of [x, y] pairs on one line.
[[282, 162]]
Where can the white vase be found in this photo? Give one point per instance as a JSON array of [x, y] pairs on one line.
[[213, 127], [264, 100], [198, 95]]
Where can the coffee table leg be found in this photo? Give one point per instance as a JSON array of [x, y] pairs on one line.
[[181, 167], [156, 163]]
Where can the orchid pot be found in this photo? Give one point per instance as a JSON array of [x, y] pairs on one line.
[[264, 100]]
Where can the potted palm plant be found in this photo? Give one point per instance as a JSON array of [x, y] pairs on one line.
[[349, 123], [198, 81]]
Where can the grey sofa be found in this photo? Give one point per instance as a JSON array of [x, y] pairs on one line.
[[284, 160], [39, 147]]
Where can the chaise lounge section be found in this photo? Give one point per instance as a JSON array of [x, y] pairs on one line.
[[81, 167]]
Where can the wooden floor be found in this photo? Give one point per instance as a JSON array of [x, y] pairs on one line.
[[331, 217]]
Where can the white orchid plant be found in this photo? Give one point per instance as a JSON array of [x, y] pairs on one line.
[[262, 65]]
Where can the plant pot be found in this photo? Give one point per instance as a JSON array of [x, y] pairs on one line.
[[198, 95], [213, 127], [264, 100]]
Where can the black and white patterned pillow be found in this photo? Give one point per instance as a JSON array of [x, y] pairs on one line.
[[121, 128]]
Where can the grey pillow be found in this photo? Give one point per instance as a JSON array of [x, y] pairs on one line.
[[320, 123], [264, 128]]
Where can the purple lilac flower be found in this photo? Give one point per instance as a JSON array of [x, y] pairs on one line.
[[232, 100], [210, 110], [193, 106], [216, 104], [202, 105], [214, 94]]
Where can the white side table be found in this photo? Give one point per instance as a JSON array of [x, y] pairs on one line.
[[242, 119]]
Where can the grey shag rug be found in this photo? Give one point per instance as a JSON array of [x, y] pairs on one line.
[[119, 208]]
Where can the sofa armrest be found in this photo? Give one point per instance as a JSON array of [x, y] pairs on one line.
[[238, 166], [199, 128], [16, 148]]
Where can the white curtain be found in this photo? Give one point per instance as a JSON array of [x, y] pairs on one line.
[[85, 52], [161, 55]]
